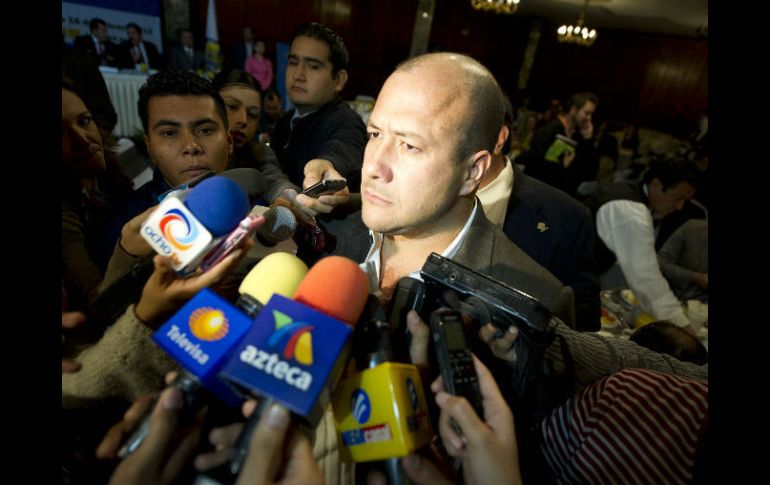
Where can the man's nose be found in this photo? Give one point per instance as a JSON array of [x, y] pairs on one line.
[[191, 145], [240, 116], [377, 161]]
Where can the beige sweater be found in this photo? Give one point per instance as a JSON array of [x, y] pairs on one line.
[[124, 363]]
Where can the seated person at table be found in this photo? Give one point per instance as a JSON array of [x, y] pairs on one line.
[[135, 51]]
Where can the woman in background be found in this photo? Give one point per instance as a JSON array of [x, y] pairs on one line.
[[91, 180], [243, 99], [260, 66]]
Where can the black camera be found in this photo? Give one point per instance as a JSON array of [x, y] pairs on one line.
[[448, 284]]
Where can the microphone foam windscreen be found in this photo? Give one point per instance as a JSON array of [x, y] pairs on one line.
[[219, 204], [335, 286], [279, 225], [250, 180], [276, 273]]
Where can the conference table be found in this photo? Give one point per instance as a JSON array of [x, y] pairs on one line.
[[123, 87]]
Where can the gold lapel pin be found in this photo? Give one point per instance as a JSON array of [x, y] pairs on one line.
[[542, 227]]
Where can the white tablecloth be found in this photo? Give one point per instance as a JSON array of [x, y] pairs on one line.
[[124, 93]]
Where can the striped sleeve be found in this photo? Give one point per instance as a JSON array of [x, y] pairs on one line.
[[636, 426]]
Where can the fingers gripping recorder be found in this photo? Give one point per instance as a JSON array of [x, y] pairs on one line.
[[449, 284]]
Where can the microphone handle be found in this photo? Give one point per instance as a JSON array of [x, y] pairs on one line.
[[241, 449], [195, 397], [396, 473]]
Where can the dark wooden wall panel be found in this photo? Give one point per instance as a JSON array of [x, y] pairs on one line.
[[660, 81]]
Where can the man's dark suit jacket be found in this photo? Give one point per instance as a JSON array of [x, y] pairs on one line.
[[240, 55], [334, 132], [153, 61], [485, 249], [80, 68], [180, 59], [85, 43], [556, 231]]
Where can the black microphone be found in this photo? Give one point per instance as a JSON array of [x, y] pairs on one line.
[[279, 226]]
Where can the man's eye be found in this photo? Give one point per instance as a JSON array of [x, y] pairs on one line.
[[168, 133], [232, 107], [85, 121], [410, 148]]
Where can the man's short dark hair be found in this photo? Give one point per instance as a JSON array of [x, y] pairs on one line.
[[134, 26], [177, 82], [94, 22], [666, 338], [338, 53], [671, 172], [578, 100]]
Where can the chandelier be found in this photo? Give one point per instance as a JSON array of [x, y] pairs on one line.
[[497, 6], [579, 33]]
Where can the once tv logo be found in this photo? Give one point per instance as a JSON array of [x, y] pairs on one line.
[[170, 226], [294, 337], [362, 408]]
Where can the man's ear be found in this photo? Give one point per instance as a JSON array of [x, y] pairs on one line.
[[479, 165], [340, 79], [147, 144], [501, 137]]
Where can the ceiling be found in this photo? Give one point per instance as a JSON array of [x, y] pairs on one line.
[[678, 17]]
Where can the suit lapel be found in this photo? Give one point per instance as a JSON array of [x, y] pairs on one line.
[[476, 249]]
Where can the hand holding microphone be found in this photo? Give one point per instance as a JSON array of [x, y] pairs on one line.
[[267, 463], [297, 350], [166, 291], [201, 335]]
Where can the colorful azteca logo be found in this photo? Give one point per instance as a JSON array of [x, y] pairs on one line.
[[362, 408], [209, 324], [294, 337], [174, 223]]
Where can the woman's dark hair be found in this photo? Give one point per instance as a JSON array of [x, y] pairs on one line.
[[234, 77]]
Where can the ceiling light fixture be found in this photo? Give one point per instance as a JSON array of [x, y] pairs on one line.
[[497, 6], [579, 33]]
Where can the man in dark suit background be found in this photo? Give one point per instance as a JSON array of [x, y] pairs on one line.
[[550, 226], [98, 45], [184, 55], [136, 50], [243, 49]]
